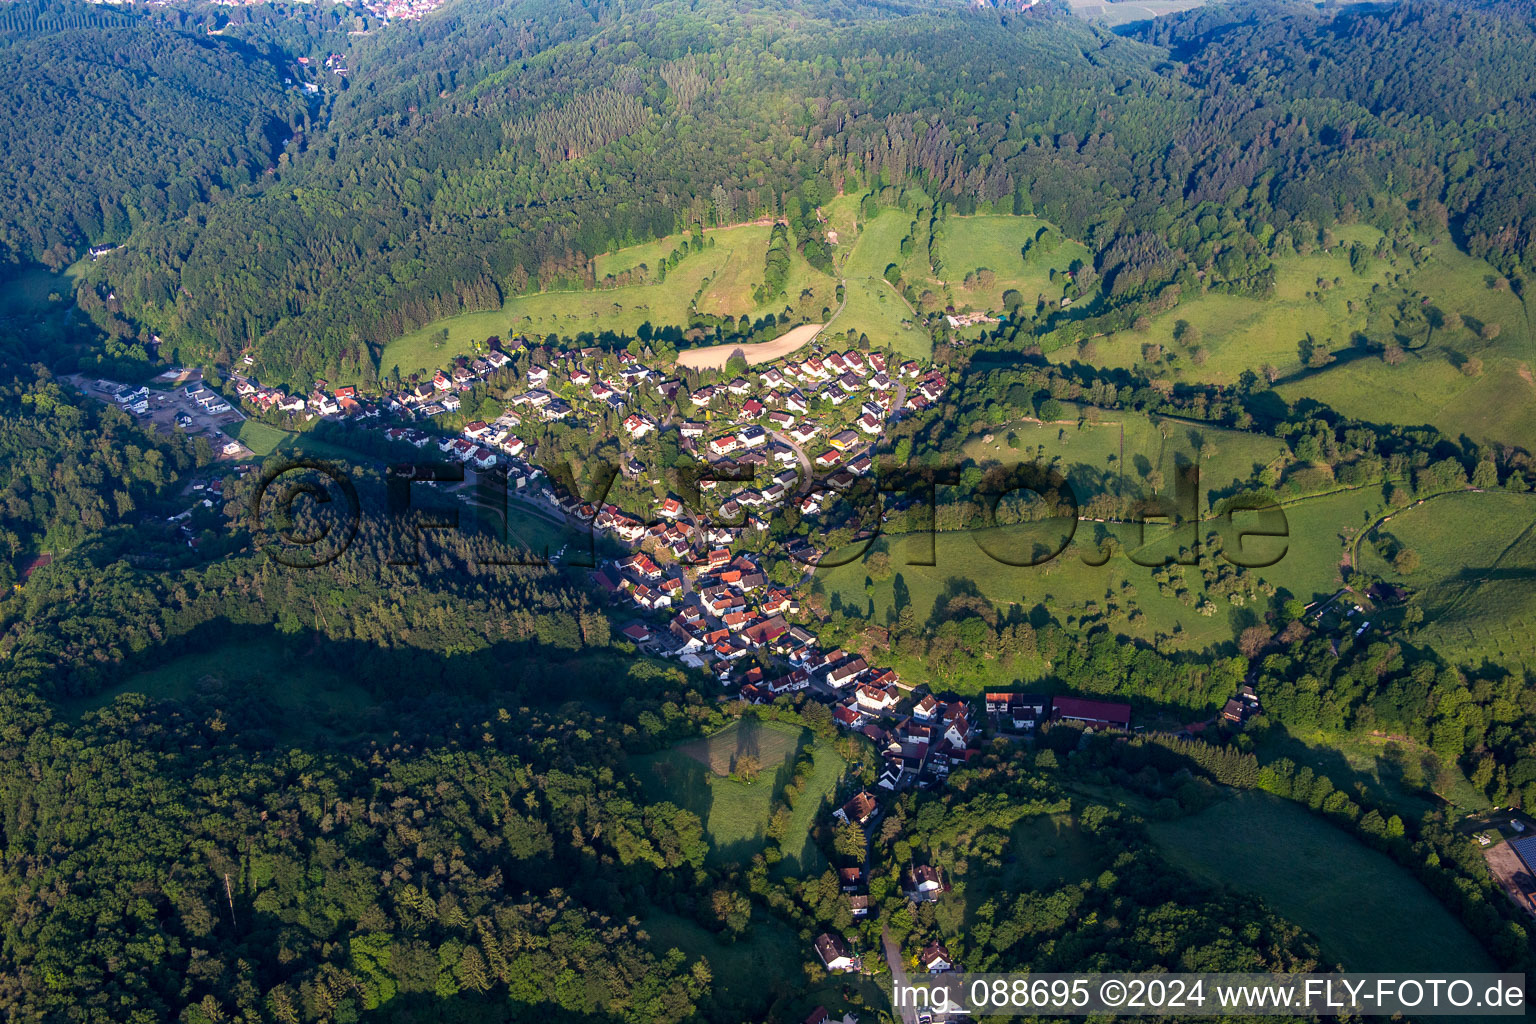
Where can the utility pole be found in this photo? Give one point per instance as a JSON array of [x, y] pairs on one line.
[[229, 894]]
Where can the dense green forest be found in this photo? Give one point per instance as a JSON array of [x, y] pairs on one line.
[[120, 120]]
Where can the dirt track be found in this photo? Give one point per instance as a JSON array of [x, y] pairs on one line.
[[716, 356]]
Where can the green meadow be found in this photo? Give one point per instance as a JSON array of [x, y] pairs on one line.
[[307, 698], [720, 279], [1117, 456], [766, 959], [873, 305], [997, 243], [1476, 580], [1394, 772], [1075, 591], [1118, 451], [827, 771], [261, 438], [1320, 295], [26, 289], [703, 776], [1313, 874]]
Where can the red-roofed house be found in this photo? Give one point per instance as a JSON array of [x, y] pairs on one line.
[[1096, 714]]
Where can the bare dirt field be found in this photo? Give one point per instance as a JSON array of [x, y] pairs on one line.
[[716, 356], [1513, 878]]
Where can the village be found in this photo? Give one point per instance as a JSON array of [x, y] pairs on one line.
[[683, 580]]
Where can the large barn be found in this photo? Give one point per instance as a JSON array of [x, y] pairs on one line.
[[1096, 714]]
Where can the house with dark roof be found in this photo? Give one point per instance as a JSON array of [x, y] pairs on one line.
[[834, 953], [935, 958], [1095, 714]]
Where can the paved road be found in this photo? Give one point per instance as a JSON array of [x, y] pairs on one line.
[[800, 456], [898, 972]]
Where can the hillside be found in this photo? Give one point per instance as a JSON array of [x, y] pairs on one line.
[[124, 120]]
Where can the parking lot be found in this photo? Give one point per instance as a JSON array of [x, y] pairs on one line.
[[169, 409]]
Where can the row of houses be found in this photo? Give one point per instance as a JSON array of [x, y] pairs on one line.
[[1024, 712]]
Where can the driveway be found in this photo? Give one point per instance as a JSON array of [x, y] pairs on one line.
[[899, 974]]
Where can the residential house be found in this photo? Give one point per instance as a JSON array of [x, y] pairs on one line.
[[860, 808], [1095, 714], [833, 953], [926, 881], [935, 959]]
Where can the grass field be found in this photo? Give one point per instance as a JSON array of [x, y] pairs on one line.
[[1093, 460], [1240, 333], [1474, 581], [722, 279], [260, 438], [1352, 758], [28, 289], [874, 307], [308, 698], [1117, 452], [826, 773], [1478, 574], [697, 775], [1070, 588], [1453, 534], [1322, 879], [995, 243], [747, 972]]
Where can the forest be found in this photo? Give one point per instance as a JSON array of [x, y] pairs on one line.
[[92, 152], [1161, 152]]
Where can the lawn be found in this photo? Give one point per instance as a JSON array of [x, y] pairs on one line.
[[1070, 588], [1093, 459], [24, 290], [1117, 451], [1454, 535], [1048, 850], [1405, 778], [307, 698], [721, 278], [696, 775], [747, 972], [1485, 606], [1067, 586], [1368, 913], [1315, 549], [261, 438]]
